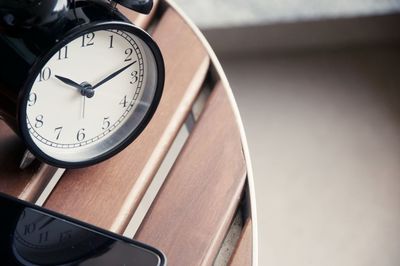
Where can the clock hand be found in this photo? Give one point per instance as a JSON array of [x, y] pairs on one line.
[[112, 75], [83, 107], [70, 82], [85, 88]]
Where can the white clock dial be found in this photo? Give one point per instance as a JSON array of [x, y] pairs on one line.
[[91, 95]]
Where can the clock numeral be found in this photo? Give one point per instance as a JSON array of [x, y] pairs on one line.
[[45, 74], [32, 99], [128, 53], [63, 53], [39, 121], [81, 134], [65, 236], [123, 102], [43, 237], [29, 228], [106, 123], [58, 130], [135, 77], [87, 39], [111, 41]]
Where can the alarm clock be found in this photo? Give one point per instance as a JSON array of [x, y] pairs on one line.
[[78, 81]]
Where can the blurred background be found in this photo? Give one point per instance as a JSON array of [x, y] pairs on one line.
[[318, 87]]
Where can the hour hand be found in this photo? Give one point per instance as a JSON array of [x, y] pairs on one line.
[[69, 82]]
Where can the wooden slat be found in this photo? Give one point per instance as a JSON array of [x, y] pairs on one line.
[[244, 250], [26, 184], [12, 180], [191, 215], [107, 194], [140, 20]]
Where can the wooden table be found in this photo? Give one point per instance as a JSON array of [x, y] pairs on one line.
[[204, 212]]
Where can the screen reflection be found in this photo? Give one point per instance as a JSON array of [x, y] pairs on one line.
[[29, 236], [45, 240]]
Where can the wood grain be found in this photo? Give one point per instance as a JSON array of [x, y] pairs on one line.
[[26, 184], [192, 213], [140, 20], [107, 194], [243, 253]]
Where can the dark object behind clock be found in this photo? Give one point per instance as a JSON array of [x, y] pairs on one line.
[[29, 13], [20, 14]]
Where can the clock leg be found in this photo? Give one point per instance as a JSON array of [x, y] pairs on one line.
[[27, 159]]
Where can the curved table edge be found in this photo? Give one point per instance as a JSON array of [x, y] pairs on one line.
[[235, 108]]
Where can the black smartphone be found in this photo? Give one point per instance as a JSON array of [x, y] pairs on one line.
[[31, 235]]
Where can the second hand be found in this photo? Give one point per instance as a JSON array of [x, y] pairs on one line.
[[83, 107]]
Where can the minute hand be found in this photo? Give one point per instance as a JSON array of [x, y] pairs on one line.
[[113, 75]]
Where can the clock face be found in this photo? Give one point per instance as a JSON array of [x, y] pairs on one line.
[[94, 93]]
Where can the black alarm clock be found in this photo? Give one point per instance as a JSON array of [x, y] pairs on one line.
[[78, 82]]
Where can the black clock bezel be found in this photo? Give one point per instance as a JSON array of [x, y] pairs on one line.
[[42, 61]]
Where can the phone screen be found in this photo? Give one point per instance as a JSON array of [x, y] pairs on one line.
[[31, 236]]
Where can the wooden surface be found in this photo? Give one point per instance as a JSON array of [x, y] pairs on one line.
[[25, 184], [191, 214], [199, 198], [244, 250], [118, 184]]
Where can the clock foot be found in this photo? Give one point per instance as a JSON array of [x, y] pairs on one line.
[[27, 159]]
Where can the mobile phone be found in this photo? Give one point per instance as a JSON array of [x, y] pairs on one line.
[[31, 235]]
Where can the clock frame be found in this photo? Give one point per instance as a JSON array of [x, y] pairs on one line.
[[29, 55]]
